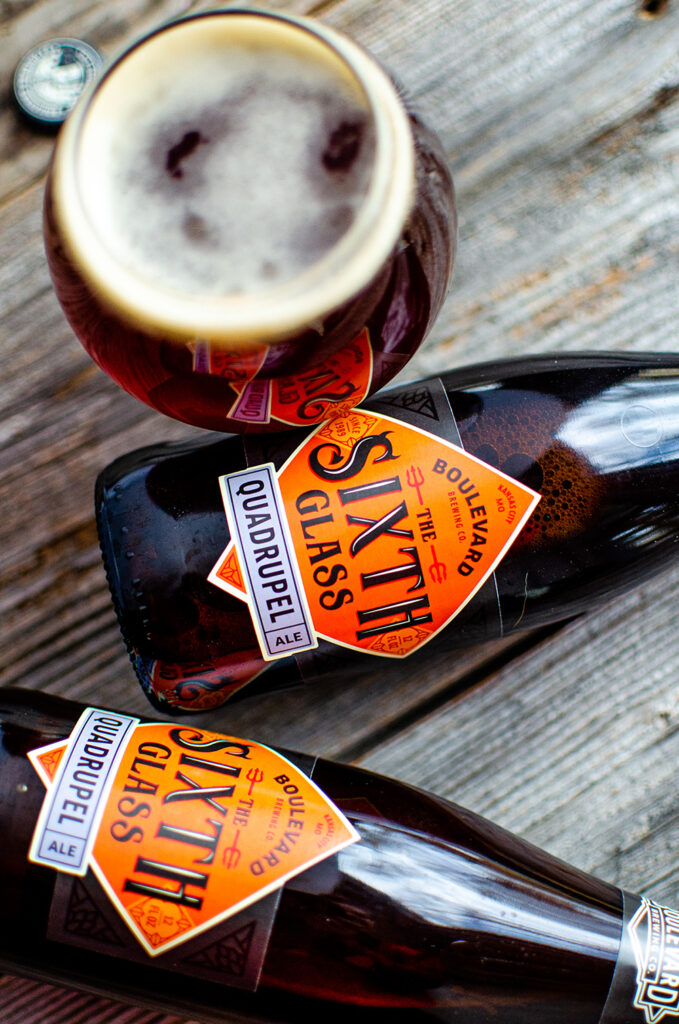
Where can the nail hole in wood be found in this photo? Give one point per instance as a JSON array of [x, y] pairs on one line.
[[652, 8]]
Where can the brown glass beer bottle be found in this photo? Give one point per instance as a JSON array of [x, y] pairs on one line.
[[440, 514], [211, 876]]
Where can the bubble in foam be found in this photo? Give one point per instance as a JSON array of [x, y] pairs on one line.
[[240, 172]]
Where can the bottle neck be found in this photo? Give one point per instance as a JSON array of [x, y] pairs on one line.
[[645, 985]]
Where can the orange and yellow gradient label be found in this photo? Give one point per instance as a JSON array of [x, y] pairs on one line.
[[392, 530], [194, 826]]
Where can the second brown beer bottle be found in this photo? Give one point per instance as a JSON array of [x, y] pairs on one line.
[[204, 874], [440, 514]]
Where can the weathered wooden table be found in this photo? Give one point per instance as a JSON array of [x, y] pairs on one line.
[[561, 121]]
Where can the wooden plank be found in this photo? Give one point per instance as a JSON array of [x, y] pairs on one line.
[[25, 1002], [566, 180], [562, 126], [110, 27]]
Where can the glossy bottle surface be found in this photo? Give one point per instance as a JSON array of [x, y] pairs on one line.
[[433, 914], [597, 436]]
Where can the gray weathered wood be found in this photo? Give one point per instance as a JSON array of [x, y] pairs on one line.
[[561, 121]]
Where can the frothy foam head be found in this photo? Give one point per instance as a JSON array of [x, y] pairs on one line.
[[236, 156], [243, 164]]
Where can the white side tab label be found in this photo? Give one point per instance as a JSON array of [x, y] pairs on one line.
[[255, 513], [67, 825]]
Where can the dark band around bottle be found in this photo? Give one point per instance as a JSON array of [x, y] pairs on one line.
[[645, 985]]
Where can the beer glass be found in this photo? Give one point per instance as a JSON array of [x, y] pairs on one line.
[[244, 224]]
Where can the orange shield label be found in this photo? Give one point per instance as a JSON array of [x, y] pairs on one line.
[[197, 826], [393, 531]]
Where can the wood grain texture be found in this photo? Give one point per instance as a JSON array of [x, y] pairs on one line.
[[19, 996], [561, 122]]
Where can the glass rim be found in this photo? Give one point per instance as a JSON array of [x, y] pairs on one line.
[[303, 301]]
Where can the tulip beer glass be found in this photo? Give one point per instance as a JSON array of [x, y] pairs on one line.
[[245, 226]]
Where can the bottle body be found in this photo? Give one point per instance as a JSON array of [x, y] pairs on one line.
[[433, 913], [597, 437], [213, 293]]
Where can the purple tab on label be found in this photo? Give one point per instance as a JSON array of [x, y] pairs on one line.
[[253, 403], [201, 357], [255, 511]]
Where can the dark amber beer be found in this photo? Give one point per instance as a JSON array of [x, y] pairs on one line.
[[245, 226], [439, 514], [217, 878]]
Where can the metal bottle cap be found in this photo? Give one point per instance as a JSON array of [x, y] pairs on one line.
[[49, 79]]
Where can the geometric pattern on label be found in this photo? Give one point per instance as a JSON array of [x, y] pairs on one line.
[[229, 955], [418, 400], [85, 919]]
